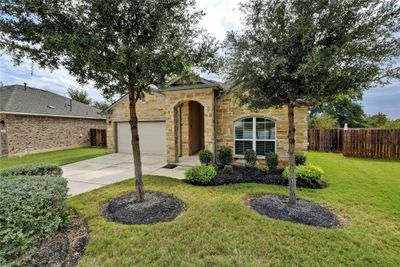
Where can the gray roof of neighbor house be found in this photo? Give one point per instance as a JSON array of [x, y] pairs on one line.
[[18, 99]]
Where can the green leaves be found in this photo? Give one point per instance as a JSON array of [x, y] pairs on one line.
[[119, 45], [31, 209], [307, 52]]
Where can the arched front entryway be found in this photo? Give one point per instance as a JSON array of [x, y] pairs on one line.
[[190, 124], [190, 128]]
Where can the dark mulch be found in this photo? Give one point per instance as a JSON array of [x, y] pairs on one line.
[[304, 212], [66, 246], [243, 174], [158, 207]]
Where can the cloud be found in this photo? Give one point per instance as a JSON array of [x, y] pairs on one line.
[[57, 81]]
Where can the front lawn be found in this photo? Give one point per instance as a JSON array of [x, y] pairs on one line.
[[59, 157], [219, 229]]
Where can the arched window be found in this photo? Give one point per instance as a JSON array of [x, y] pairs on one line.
[[254, 133]]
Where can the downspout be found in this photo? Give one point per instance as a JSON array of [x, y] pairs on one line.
[[215, 126]]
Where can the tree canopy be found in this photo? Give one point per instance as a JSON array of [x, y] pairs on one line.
[[121, 46], [309, 52], [345, 110], [115, 44], [79, 95]]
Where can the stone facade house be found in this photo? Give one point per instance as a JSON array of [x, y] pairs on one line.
[[184, 119], [34, 120]]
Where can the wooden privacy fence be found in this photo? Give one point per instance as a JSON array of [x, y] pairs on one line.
[[368, 143], [325, 140], [98, 137]]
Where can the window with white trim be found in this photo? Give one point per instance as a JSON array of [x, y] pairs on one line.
[[254, 133]]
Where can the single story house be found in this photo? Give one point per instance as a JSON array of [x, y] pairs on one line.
[[35, 120], [185, 118]]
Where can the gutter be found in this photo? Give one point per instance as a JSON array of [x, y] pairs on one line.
[[50, 115]]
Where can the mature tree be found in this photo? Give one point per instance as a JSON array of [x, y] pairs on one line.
[[306, 52], [393, 124], [344, 110], [322, 121], [121, 46], [377, 120], [102, 105], [79, 95]]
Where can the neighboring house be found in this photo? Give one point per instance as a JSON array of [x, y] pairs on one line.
[[33, 120], [184, 119]]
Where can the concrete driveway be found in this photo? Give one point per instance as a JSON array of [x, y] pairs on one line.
[[93, 173]]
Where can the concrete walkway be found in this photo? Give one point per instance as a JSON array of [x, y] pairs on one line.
[[93, 173]]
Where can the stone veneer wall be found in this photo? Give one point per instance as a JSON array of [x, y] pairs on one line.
[[152, 108], [26, 134], [228, 111], [174, 98], [159, 107]]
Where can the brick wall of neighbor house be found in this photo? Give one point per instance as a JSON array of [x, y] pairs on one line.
[[26, 134], [3, 135], [152, 108], [228, 111]]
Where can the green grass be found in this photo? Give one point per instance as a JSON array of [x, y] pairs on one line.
[[60, 157], [218, 229]]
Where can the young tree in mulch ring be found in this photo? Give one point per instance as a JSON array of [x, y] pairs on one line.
[[120, 46], [292, 53]]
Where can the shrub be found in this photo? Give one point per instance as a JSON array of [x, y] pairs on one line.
[[263, 169], [40, 169], [201, 174], [228, 169], [272, 160], [30, 210], [305, 173], [225, 155], [300, 159], [250, 157], [206, 157]]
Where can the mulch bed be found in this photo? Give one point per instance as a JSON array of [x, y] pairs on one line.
[[66, 246], [243, 174], [158, 207], [304, 212]]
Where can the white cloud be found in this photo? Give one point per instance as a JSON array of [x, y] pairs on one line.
[[57, 81], [220, 16]]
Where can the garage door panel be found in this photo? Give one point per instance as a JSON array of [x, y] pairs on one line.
[[152, 138]]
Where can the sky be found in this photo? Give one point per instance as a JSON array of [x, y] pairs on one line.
[[221, 16]]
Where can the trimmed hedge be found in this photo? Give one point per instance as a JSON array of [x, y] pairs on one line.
[[225, 155], [300, 159], [305, 173], [206, 157], [39, 169], [272, 160], [263, 169], [31, 209], [228, 169], [250, 157], [201, 174]]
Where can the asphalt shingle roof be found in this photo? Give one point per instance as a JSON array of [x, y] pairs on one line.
[[15, 99]]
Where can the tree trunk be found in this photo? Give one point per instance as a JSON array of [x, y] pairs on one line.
[[292, 163], [135, 146]]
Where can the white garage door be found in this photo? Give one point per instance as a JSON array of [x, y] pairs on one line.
[[152, 138]]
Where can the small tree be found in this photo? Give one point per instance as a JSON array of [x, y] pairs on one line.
[[79, 95], [121, 46], [102, 105], [296, 52]]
